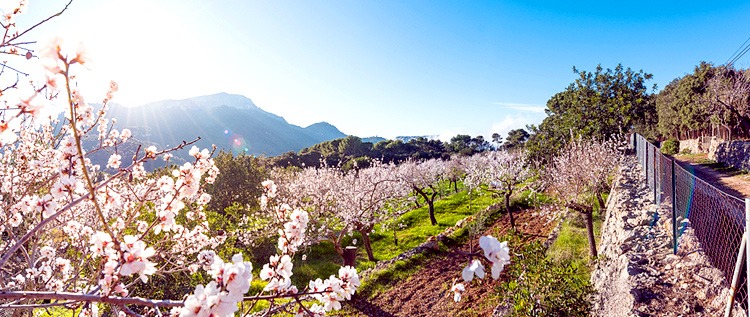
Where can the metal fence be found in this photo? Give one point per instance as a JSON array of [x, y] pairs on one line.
[[716, 217]]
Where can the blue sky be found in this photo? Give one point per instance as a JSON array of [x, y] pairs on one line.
[[389, 68]]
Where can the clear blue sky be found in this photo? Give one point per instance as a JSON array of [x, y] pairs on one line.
[[390, 68]]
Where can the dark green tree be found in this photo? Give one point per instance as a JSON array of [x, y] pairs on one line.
[[238, 182], [597, 104], [516, 138]]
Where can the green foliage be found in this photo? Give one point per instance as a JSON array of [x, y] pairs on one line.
[[670, 147], [539, 286], [597, 104], [516, 139], [350, 150], [681, 105], [238, 182], [466, 145]]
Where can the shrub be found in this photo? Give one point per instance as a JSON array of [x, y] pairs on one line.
[[540, 286], [670, 147]]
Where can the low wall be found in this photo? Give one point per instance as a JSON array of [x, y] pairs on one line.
[[735, 154], [707, 145]]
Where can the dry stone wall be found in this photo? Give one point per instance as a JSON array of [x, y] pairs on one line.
[[735, 154], [707, 145], [637, 273]]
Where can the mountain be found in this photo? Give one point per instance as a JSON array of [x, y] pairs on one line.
[[232, 122]]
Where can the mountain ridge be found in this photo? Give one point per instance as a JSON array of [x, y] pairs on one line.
[[231, 122]]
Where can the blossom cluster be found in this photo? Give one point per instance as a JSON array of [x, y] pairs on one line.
[[496, 252], [220, 296]]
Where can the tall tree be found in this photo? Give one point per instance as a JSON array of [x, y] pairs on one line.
[[597, 104], [239, 182], [515, 139]]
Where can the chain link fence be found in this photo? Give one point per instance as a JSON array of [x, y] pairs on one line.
[[716, 217]]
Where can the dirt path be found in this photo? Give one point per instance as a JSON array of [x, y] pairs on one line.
[[426, 293], [735, 184]]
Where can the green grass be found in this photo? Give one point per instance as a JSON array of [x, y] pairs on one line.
[[697, 158], [572, 244], [702, 159]]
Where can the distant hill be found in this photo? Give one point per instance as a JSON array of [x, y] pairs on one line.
[[232, 122]]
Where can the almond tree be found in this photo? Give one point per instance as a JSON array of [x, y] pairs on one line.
[[373, 196], [580, 174], [498, 172], [424, 178], [343, 202], [455, 170]]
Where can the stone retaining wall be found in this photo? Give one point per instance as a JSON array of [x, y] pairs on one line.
[[707, 145], [735, 154], [637, 274]]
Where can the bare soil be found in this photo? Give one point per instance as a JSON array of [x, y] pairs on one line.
[[427, 292], [731, 181]]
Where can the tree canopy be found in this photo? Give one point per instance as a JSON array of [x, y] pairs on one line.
[[597, 104]]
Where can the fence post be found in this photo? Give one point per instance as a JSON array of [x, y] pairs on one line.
[[645, 164], [747, 250], [656, 201], [674, 210], [736, 276]]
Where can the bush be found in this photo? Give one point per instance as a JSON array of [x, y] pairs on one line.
[[686, 151], [670, 147]]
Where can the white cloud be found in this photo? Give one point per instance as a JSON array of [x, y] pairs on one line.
[[521, 107]]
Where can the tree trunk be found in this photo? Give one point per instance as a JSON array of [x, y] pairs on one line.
[[510, 213], [366, 242], [350, 256], [455, 186], [587, 211], [602, 206], [395, 239], [430, 203], [338, 248], [590, 232]]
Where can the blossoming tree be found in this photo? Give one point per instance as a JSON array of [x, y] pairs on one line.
[[580, 174], [345, 202], [498, 172], [424, 179]]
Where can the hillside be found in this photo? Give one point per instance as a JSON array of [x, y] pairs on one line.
[[232, 122]]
